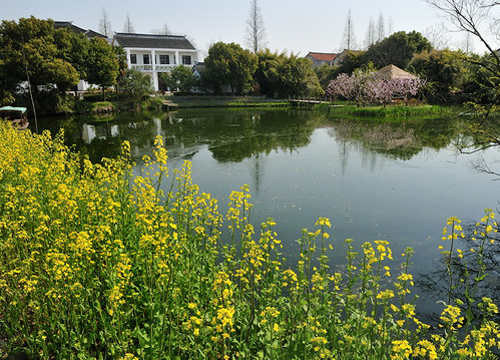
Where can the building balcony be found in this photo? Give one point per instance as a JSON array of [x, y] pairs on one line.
[[142, 67], [149, 67]]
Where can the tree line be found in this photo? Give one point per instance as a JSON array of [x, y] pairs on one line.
[[53, 60], [58, 58]]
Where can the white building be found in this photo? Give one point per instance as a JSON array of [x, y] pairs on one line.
[[153, 54]]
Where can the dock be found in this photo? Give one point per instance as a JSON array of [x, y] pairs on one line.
[[308, 101], [169, 105]]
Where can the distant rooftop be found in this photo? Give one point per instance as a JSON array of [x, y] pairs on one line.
[[69, 24], [323, 56], [393, 72], [153, 41]]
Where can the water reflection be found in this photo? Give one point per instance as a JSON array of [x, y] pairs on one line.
[[374, 180], [471, 273], [235, 135]]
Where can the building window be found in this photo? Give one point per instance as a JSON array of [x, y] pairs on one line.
[[133, 58], [164, 60], [145, 59], [186, 59]]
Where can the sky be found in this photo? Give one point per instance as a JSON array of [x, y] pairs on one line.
[[297, 26]]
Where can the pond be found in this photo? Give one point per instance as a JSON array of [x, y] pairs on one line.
[[373, 180]]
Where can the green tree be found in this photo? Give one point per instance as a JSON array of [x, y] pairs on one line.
[[136, 85], [29, 50], [34, 49], [469, 16], [180, 78], [280, 75], [350, 61], [446, 72], [102, 65], [232, 65], [397, 49]]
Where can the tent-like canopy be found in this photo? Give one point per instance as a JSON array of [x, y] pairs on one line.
[[13, 108], [393, 72]]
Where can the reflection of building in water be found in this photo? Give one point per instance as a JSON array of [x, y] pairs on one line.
[[90, 132], [114, 130]]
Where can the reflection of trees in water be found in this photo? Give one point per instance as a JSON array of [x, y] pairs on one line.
[[237, 135], [138, 128], [474, 267], [231, 135], [396, 140]]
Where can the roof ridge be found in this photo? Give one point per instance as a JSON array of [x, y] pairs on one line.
[[148, 35]]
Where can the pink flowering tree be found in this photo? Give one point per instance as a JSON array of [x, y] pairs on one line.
[[408, 87], [343, 85], [365, 87]]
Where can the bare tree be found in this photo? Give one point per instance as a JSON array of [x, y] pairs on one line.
[[164, 30], [468, 15], [256, 31], [370, 33], [467, 44], [349, 38], [128, 27], [437, 36], [390, 26], [105, 24], [380, 28]]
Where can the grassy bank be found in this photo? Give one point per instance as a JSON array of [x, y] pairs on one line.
[[226, 101], [98, 264], [390, 112]]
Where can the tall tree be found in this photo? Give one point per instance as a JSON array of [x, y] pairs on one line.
[[280, 75], [467, 44], [370, 33], [397, 49], [380, 28], [437, 36], [30, 48], [445, 71], [102, 63], [105, 24], [349, 38], [256, 31], [232, 65], [164, 30], [469, 16], [390, 26], [128, 27]]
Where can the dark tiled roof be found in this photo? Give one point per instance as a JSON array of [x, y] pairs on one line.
[[69, 24], [92, 33], [152, 41], [65, 24]]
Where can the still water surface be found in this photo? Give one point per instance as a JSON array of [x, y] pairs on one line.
[[372, 180]]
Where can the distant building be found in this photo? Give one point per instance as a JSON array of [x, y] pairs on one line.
[[69, 24], [155, 54], [319, 58], [82, 84]]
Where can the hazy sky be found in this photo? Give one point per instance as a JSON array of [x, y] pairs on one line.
[[293, 25]]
